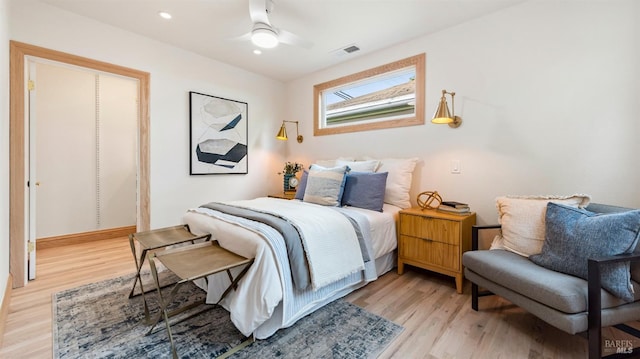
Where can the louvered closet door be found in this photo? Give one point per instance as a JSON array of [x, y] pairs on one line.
[[85, 151]]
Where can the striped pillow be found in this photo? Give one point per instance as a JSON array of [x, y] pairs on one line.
[[325, 185]]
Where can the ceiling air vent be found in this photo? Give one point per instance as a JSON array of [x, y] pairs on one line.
[[350, 49], [346, 50]]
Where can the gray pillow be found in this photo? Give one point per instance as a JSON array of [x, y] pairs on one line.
[[573, 235], [302, 186], [365, 190], [325, 185]]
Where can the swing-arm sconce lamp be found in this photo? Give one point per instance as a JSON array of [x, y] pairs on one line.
[[442, 114], [282, 134]]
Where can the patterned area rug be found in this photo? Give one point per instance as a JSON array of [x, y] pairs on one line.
[[98, 321]]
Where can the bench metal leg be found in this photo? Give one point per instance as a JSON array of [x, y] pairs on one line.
[[234, 282], [238, 347], [138, 279]]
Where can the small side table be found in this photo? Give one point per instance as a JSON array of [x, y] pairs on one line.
[[435, 241], [284, 195], [190, 263], [156, 239]]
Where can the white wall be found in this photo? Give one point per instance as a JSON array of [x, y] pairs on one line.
[[174, 73], [4, 145], [548, 92]]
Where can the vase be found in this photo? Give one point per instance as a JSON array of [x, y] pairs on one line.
[[287, 177]]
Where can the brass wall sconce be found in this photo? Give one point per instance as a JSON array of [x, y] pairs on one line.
[[442, 114], [282, 134]]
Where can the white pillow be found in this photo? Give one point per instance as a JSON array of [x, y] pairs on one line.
[[332, 163], [399, 180], [523, 221], [325, 186], [360, 166]]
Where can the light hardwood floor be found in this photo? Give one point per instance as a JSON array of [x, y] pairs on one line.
[[438, 322]]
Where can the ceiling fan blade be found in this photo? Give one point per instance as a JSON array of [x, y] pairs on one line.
[[289, 38], [258, 11], [245, 37]]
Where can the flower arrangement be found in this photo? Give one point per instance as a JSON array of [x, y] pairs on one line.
[[291, 168]]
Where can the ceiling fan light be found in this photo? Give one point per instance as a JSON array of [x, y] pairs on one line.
[[264, 38], [165, 15]]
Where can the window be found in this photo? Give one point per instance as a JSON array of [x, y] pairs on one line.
[[390, 95]]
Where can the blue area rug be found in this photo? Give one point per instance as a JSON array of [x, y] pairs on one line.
[[98, 321]]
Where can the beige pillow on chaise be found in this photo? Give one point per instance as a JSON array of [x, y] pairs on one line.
[[523, 221]]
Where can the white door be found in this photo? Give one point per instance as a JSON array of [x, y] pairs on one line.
[[31, 177]]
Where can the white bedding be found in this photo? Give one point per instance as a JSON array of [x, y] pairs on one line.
[[383, 228], [331, 246], [265, 299]]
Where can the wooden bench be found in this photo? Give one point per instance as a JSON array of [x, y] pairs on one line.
[[190, 263], [153, 240]]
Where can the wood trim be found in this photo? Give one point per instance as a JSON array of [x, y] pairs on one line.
[[4, 309], [77, 238], [17, 181]]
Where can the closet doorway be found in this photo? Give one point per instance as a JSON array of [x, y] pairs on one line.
[[82, 154], [98, 191]]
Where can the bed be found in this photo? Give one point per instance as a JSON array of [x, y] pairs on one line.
[[345, 247]]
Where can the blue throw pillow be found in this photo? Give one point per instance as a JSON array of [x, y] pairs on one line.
[[365, 190], [573, 235], [302, 186]]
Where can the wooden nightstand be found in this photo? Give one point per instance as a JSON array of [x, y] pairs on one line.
[[434, 241], [284, 195]]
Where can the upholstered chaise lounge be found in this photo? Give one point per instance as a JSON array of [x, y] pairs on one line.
[[570, 303]]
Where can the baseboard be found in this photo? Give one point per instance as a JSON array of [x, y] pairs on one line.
[[76, 238], [4, 309]]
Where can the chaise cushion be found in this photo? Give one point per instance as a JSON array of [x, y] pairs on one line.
[[573, 235], [560, 291]]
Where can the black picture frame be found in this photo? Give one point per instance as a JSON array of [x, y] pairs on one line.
[[218, 133]]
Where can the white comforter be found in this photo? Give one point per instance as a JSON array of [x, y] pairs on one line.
[[265, 299], [328, 237]]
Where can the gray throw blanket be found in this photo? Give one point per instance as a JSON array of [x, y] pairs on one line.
[[295, 250], [297, 259]]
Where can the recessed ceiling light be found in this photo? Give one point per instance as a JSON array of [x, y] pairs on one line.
[[257, 52], [164, 15]]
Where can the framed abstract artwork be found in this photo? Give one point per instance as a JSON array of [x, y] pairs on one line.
[[218, 135]]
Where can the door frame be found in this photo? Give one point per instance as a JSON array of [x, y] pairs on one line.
[[17, 181]]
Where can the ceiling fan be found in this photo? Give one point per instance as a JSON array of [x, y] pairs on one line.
[[263, 34]]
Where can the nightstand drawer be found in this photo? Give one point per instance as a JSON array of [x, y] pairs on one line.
[[434, 229], [430, 252]]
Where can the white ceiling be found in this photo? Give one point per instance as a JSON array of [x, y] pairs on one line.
[[207, 27]]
